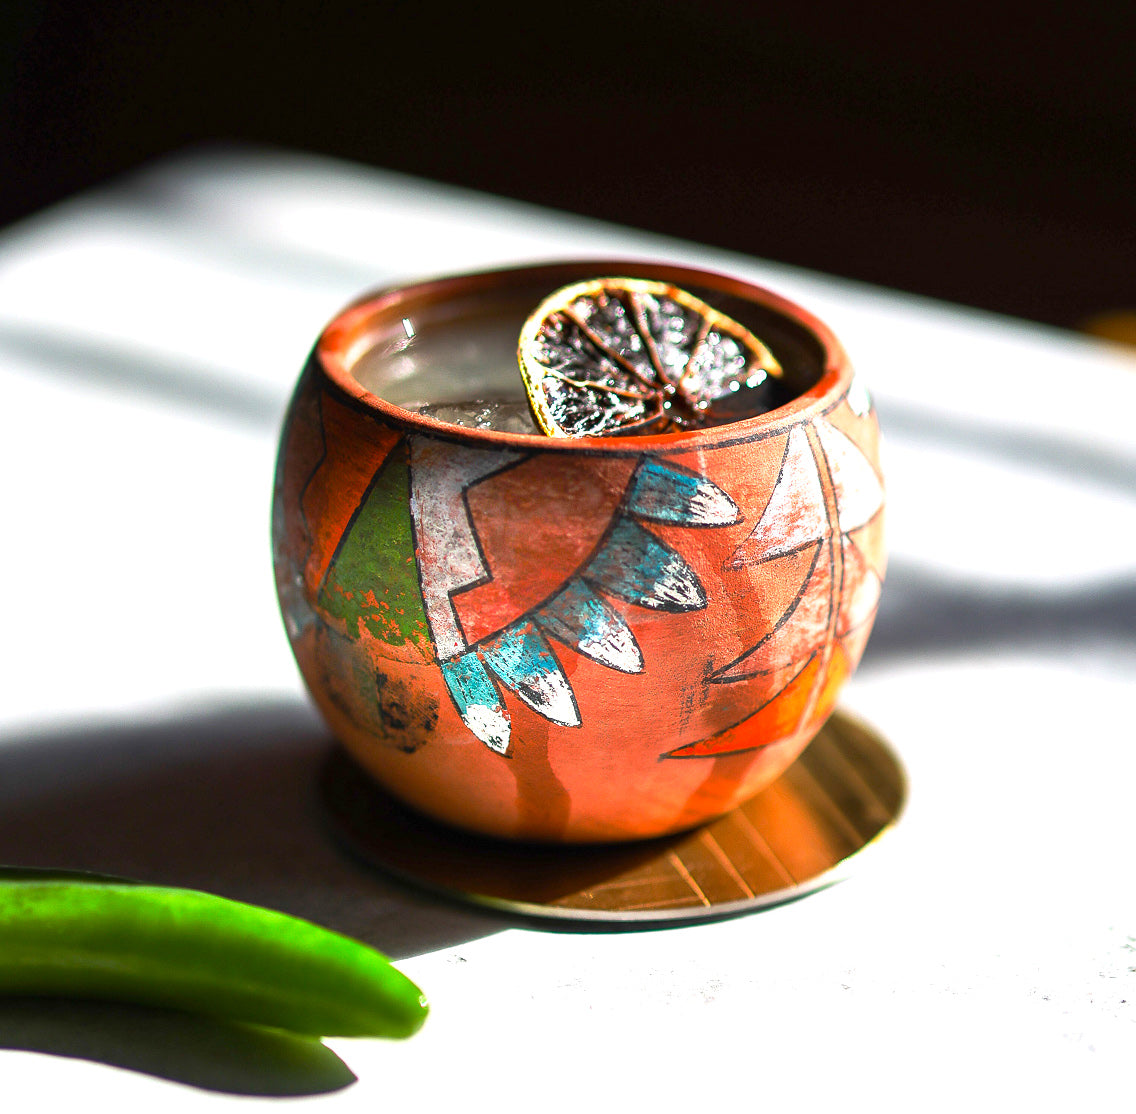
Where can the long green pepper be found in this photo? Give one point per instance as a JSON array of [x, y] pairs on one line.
[[75, 936]]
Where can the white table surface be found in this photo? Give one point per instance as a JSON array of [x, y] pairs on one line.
[[152, 721]]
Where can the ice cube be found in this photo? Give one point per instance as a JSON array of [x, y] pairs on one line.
[[503, 415]]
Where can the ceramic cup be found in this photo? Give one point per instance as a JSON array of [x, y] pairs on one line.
[[589, 639]]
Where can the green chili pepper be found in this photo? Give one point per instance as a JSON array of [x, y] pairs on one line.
[[86, 936]]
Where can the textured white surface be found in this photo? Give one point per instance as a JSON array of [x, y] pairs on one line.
[[152, 721]]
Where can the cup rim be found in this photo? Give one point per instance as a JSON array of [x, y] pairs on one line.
[[348, 334]]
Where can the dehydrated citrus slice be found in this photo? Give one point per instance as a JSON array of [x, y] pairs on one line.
[[620, 356]]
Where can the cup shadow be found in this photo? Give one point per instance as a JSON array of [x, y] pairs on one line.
[[221, 799]]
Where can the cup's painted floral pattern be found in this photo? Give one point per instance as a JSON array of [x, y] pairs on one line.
[[825, 492], [584, 642], [421, 561], [631, 565]]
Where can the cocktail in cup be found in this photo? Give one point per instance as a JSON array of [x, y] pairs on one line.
[[576, 639]]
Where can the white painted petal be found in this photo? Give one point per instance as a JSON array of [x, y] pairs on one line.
[[859, 493], [795, 514], [490, 725]]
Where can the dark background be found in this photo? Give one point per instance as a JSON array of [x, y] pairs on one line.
[[982, 154]]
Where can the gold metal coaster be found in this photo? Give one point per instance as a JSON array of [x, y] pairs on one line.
[[794, 837]]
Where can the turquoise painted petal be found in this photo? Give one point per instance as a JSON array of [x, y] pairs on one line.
[[477, 700], [580, 619], [524, 661], [665, 493], [635, 566]]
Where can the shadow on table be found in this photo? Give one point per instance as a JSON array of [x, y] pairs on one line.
[[209, 1054], [224, 800], [922, 614], [117, 366]]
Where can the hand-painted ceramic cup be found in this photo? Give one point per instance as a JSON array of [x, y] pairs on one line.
[[584, 639]]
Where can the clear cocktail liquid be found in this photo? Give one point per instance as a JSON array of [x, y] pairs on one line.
[[456, 367], [457, 362]]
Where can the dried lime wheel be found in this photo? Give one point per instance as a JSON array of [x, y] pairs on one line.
[[622, 356]]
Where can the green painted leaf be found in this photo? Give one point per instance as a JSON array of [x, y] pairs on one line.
[[372, 582]]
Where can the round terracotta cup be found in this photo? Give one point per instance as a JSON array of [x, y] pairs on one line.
[[587, 639]]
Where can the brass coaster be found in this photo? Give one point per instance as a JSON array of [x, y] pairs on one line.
[[794, 837]]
